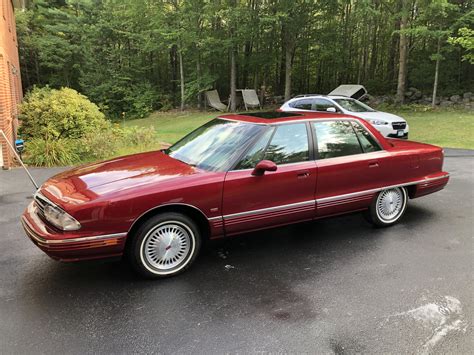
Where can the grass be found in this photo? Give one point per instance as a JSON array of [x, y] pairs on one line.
[[447, 128], [171, 126]]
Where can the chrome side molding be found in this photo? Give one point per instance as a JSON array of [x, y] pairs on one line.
[[325, 199], [70, 240]]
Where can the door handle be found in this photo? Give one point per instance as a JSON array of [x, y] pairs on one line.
[[303, 174], [373, 164]]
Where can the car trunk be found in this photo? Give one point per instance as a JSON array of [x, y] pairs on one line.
[[354, 91]]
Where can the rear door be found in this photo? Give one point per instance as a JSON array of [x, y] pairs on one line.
[[351, 163], [322, 105], [275, 198]]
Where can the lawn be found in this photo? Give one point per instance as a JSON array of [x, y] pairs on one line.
[[446, 128], [170, 126]]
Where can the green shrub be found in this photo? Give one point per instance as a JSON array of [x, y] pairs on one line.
[[138, 136], [117, 96], [99, 145], [41, 152], [52, 114]]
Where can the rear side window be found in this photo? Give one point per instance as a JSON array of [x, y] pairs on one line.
[[289, 144], [303, 104], [323, 105], [336, 139], [367, 141]]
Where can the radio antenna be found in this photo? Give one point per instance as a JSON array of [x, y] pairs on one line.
[[19, 159]]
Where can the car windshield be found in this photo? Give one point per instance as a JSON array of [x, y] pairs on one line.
[[354, 105], [215, 145]]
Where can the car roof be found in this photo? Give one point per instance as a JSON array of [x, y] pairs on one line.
[[315, 96], [271, 117]]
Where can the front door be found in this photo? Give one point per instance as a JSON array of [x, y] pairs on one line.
[[274, 198]]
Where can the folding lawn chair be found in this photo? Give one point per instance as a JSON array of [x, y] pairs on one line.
[[250, 99], [213, 99]]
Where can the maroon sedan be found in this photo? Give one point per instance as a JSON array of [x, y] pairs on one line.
[[235, 174]]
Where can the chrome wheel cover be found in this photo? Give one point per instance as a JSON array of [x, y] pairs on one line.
[[166, 247], [390, 204]]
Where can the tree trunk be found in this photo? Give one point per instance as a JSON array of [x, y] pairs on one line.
[[37, 69], [174, 71], [374, 51], [281, 77], [181, 77], [198, 73], [435, 84], [402, 58], [233, 78], [288, 58], [247, 53]]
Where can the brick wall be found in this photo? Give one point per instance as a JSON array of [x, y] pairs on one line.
[[10, 80]]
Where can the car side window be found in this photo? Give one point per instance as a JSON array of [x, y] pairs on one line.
[[303, 104], [367, 141], [255, 154], [336, 139], [289, 144], [323, 105]]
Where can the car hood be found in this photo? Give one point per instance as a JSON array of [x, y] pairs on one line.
[[379, 115], [88, 182]]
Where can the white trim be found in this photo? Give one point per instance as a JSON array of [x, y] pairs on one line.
[[326, 199], [270, 209], [360, 193], [31, 233]]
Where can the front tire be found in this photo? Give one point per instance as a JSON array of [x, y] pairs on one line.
[[388, 207], [165, 245]]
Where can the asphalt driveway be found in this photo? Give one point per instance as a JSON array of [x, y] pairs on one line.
[[331, 286]]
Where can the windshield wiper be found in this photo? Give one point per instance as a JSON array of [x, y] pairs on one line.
[[185, 162]]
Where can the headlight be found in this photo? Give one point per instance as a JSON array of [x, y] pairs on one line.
[[378, 122], [60, 219]]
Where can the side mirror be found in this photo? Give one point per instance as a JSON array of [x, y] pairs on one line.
[[262, 166], [331, 109]]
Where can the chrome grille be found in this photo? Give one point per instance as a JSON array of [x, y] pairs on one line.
[[399, 125], [41, 203]]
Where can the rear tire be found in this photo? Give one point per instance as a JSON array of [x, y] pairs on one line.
[[164, 245], [387, 207]]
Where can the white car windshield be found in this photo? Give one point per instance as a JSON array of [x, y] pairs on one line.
[[354, 105]]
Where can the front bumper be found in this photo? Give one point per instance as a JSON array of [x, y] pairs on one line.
[[388, 131], [395, 135], [70, 247]]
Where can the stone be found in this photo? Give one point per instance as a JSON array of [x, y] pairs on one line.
[[446, 103], [467, 95], [455, 98]]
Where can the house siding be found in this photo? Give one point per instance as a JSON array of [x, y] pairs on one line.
[[10, 80]]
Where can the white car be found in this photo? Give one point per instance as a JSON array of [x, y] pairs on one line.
[[386, 123]]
